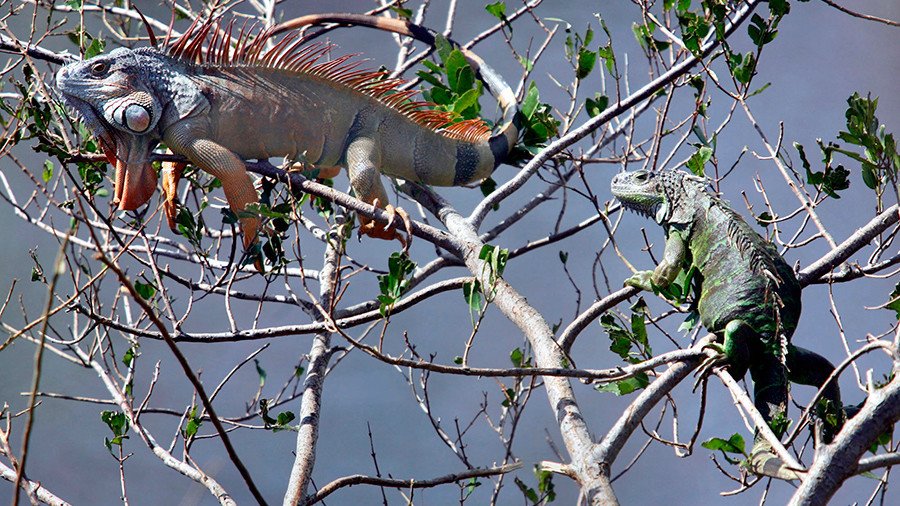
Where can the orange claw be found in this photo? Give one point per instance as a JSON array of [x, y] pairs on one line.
[[372, 228]]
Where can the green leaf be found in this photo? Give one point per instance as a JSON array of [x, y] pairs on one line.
[[596, 105], [47, 173], [698, 160], [586, 61], [516, 357], [472, 295], [145, 290], [128, 357], [285, 417], [894, 301], [626, 386], [96, 47], [402, 13], [734, 444], [497, 9], [260, 372], [563, 256], [529, 105], [75, 4], [394, 283], [466, 100], [193, 424]]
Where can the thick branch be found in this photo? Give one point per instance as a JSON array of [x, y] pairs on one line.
[[33, 487], [840, 460]]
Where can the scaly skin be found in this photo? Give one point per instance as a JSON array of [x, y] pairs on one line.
[[231, 104], [749, 296]]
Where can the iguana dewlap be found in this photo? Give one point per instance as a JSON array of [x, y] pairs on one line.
[[226, 103], [749, 295]]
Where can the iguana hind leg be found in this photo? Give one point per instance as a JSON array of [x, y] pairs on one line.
[[770, 392]]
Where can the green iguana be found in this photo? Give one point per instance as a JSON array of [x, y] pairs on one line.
[[236, 99], [749, 296]]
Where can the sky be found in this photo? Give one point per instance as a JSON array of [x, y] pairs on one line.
[[821, 56]]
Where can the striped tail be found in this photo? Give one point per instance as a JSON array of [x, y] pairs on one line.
[[501, 142]]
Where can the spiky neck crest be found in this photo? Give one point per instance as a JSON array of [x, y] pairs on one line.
[[213, 43]]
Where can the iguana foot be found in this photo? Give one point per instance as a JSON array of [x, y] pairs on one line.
[[641, 279], [171, 174], [764, 462], [706, 367], [387, 232]]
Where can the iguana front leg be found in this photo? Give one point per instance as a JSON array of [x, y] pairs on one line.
[[362, 165], [673, 260], [171, 174], [225, 165]]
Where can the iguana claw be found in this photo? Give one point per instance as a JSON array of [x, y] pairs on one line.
[[387, 232], [764, 462], [720, 358]]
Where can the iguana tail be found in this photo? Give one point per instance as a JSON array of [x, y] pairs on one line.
[[501, 142]]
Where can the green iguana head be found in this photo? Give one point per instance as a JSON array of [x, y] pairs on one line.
[[667, 197], [128, 97]]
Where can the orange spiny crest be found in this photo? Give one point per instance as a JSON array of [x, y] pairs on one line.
[[293, 54]]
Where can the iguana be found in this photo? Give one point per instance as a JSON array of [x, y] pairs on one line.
[[236, 99], [749, 296]]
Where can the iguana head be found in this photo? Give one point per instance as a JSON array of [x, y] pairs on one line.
[[667, 197], [113, 95]]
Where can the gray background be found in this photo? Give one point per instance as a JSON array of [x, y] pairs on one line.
[[820, 57]]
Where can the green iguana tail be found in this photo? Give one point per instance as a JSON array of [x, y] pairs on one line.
[[501, 142]]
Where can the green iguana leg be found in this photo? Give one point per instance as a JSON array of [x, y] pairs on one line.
[[223, 164], [770, 391], [366, 182], [667, 270], [809, 368], [737, 339]]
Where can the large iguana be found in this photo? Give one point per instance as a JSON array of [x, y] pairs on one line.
[[234, 100], [749, 296]]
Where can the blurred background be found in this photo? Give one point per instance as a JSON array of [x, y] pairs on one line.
[[820, 57]]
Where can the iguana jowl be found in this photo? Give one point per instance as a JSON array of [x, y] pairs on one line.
[[749, 296], [236, 100]]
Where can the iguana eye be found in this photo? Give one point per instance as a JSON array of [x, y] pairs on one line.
[[641, 176], [99, 68]]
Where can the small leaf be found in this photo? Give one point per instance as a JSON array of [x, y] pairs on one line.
[[596, 105], [260, 372], [698, 160], [47, 173], [586, 61], [894, 301], [145, 290], [734, 444], [128, 357], [497, 9], [626, 386], [96, 47]]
